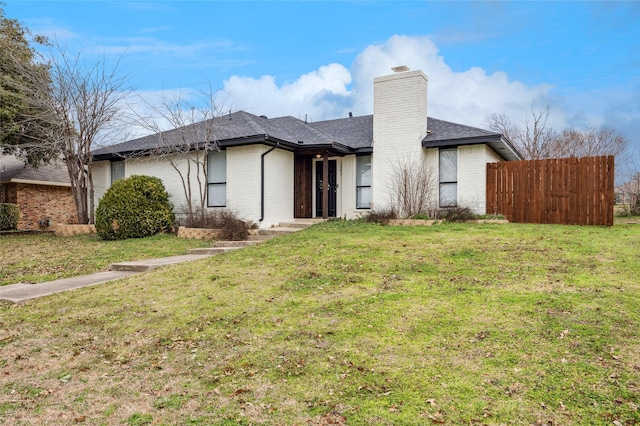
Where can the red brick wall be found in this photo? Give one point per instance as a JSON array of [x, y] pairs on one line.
[[8, 193], [38, 202]]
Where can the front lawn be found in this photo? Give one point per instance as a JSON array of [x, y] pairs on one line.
[[345, 323], [44, 257]]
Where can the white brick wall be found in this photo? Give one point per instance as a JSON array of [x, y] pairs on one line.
[[243, 184], [101, 172], [278, 188], [472, 176], [347, 189], [399, 125], [243, 181]]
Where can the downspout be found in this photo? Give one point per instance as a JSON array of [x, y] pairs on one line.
[[264, 154]]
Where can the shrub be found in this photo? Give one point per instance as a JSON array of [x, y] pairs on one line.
[[231, 227], [135, 207], [458, 214], [9, 216], [381, 216]]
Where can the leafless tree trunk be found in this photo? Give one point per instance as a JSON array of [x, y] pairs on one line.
[[72, 110], [192, 136], [413, 185]]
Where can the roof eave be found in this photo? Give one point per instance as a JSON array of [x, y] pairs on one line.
[[497, 142]]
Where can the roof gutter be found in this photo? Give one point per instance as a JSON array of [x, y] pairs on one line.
[[264, 154]]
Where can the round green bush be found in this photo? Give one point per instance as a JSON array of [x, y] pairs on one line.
[[9, 216], [135, 207]]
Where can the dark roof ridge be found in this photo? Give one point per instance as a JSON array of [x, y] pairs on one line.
[[489, 132]]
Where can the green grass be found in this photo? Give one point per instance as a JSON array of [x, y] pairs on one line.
[[40, 258], [346, 323]]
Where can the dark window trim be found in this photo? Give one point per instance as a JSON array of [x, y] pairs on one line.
[[218, 184]]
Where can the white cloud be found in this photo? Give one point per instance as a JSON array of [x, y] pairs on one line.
[[459, 96], [319, 94]]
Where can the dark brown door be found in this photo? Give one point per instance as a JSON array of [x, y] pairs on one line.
[[302, 187], [332, 179]]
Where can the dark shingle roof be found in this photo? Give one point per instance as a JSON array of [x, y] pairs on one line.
[[351, 134], [14, 170], [443, 134]]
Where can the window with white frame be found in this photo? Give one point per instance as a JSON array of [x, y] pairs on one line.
[[448, 177], [363, 182], [117, 171], [217, 179]]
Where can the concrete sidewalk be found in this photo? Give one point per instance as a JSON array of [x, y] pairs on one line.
[[18, 293]]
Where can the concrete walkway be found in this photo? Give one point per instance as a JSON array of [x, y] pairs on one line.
[[18, 293]]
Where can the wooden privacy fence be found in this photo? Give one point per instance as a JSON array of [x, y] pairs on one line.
[[569, 191]]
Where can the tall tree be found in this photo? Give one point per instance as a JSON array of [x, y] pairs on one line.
[[87, 100], [20, 69], [67, 112], [536, 140]]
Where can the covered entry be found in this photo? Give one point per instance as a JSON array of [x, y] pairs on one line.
[[325, 189]]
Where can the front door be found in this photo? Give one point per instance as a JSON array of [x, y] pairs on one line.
[[303, 187], [332, 188]]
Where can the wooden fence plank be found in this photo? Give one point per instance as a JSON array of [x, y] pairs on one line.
[[563, 191]]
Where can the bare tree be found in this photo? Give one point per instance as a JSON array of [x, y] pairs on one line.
[[589, 142], [532, 138], [629, 190], [536, 140], [413, 186], [192, 136], [70, 111]]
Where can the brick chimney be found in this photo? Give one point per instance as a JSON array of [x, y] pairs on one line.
[[399, 125]]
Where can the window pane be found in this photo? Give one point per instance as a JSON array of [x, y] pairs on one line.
[[363, 170], [448, 194], [217, 195], [363, 197], [448, 165], [217, 167], [117, 170]]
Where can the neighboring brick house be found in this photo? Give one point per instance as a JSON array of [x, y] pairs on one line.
[[270, 170], [43, 195]]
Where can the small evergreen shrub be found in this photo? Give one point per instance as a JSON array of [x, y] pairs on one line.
[[135, 207], [9, 216], [381, 216]]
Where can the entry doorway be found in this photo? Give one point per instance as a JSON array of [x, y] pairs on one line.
[[333, 186]]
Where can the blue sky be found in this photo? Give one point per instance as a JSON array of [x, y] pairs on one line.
[[319, 58]]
